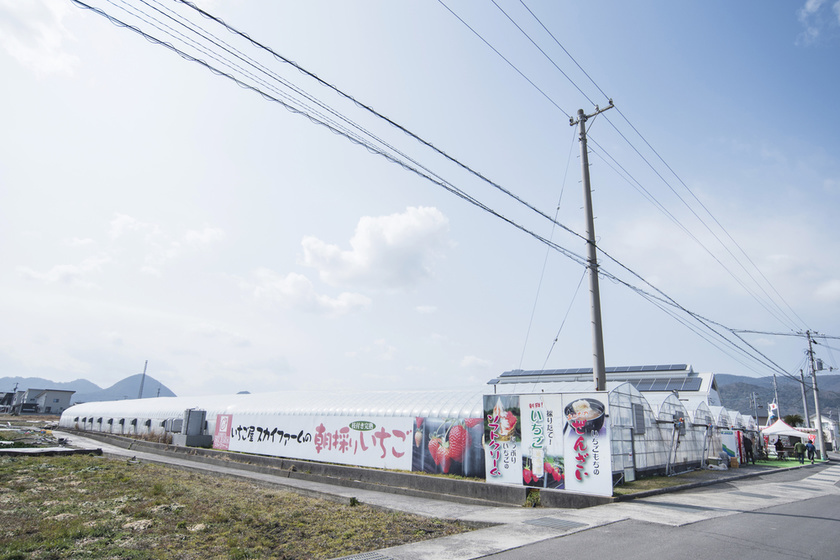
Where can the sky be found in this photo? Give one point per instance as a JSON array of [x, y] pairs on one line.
[[273, 235]]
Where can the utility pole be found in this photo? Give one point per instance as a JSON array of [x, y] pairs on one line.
[[754, 402], [142, 381], [804, 400], [816, 396], [599, 370]]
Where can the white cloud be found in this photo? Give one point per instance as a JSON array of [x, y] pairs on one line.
[[814, 21], [161, 247], [76, 242], [828, 292], [73, 274], [113, 338], [204, 237], [387, 251], [426, 309], [217, 332], [158, 256], [33, 33], [123, 224], [475, 362], [380, 350], [296, 291]]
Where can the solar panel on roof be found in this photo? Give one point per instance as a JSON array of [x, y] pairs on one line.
[[692, 384], [660, 385]]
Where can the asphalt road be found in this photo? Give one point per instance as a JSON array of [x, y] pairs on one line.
[[806, 528]]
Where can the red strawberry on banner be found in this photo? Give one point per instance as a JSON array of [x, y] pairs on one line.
[[473, 422], [511, 420], [527, 476], [434, 447], [457, 442], [443, 458], [552, 470]]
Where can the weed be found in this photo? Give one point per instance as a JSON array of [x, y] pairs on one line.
[[96, 508], [532, 497]]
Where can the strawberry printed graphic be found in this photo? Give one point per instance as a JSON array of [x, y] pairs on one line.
[[443, 458], [434, 447], [527, 476], [473, 422], [418, 438], [511, 420], [552, 470], [457, 442]]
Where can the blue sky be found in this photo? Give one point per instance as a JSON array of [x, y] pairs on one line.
[[152, 210]]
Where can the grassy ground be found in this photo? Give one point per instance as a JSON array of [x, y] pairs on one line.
[[93, 507]]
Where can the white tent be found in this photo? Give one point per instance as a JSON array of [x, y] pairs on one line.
[[779, 428]]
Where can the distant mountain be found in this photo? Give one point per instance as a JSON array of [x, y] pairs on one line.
[[735, 391], [86, 391], [7, 384]]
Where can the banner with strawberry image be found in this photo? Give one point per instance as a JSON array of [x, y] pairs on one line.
[[448, 446], [542, 442], [502, 436]]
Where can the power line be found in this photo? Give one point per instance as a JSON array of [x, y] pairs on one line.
[[662, 300], [402, 128], [542, 51], [545, 260], [778, 308], [503, 57]]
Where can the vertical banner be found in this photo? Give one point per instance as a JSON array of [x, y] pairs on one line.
[[542, 446], [587, 452], [502, 435], [221, 439], [729, 440]]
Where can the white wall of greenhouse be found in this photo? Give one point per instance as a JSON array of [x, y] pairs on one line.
[[644, 429]]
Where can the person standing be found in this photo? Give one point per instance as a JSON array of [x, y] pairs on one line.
[[748, 450], [811, 449], [799, 449], [780, 449]]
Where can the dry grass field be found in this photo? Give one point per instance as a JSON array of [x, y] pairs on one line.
[[92, 507]]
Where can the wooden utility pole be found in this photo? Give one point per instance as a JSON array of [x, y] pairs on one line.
[[804, 399], [818, 423], [599, 370]]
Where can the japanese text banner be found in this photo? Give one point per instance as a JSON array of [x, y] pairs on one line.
[[366, 442]]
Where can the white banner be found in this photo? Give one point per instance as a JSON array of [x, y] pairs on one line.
[[587, 454], [542, 444], [366, 442], [502, 435]]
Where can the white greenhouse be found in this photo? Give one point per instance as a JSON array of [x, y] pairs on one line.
[[545, 428]]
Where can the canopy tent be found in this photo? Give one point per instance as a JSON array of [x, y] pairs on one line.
[[779, 428]]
